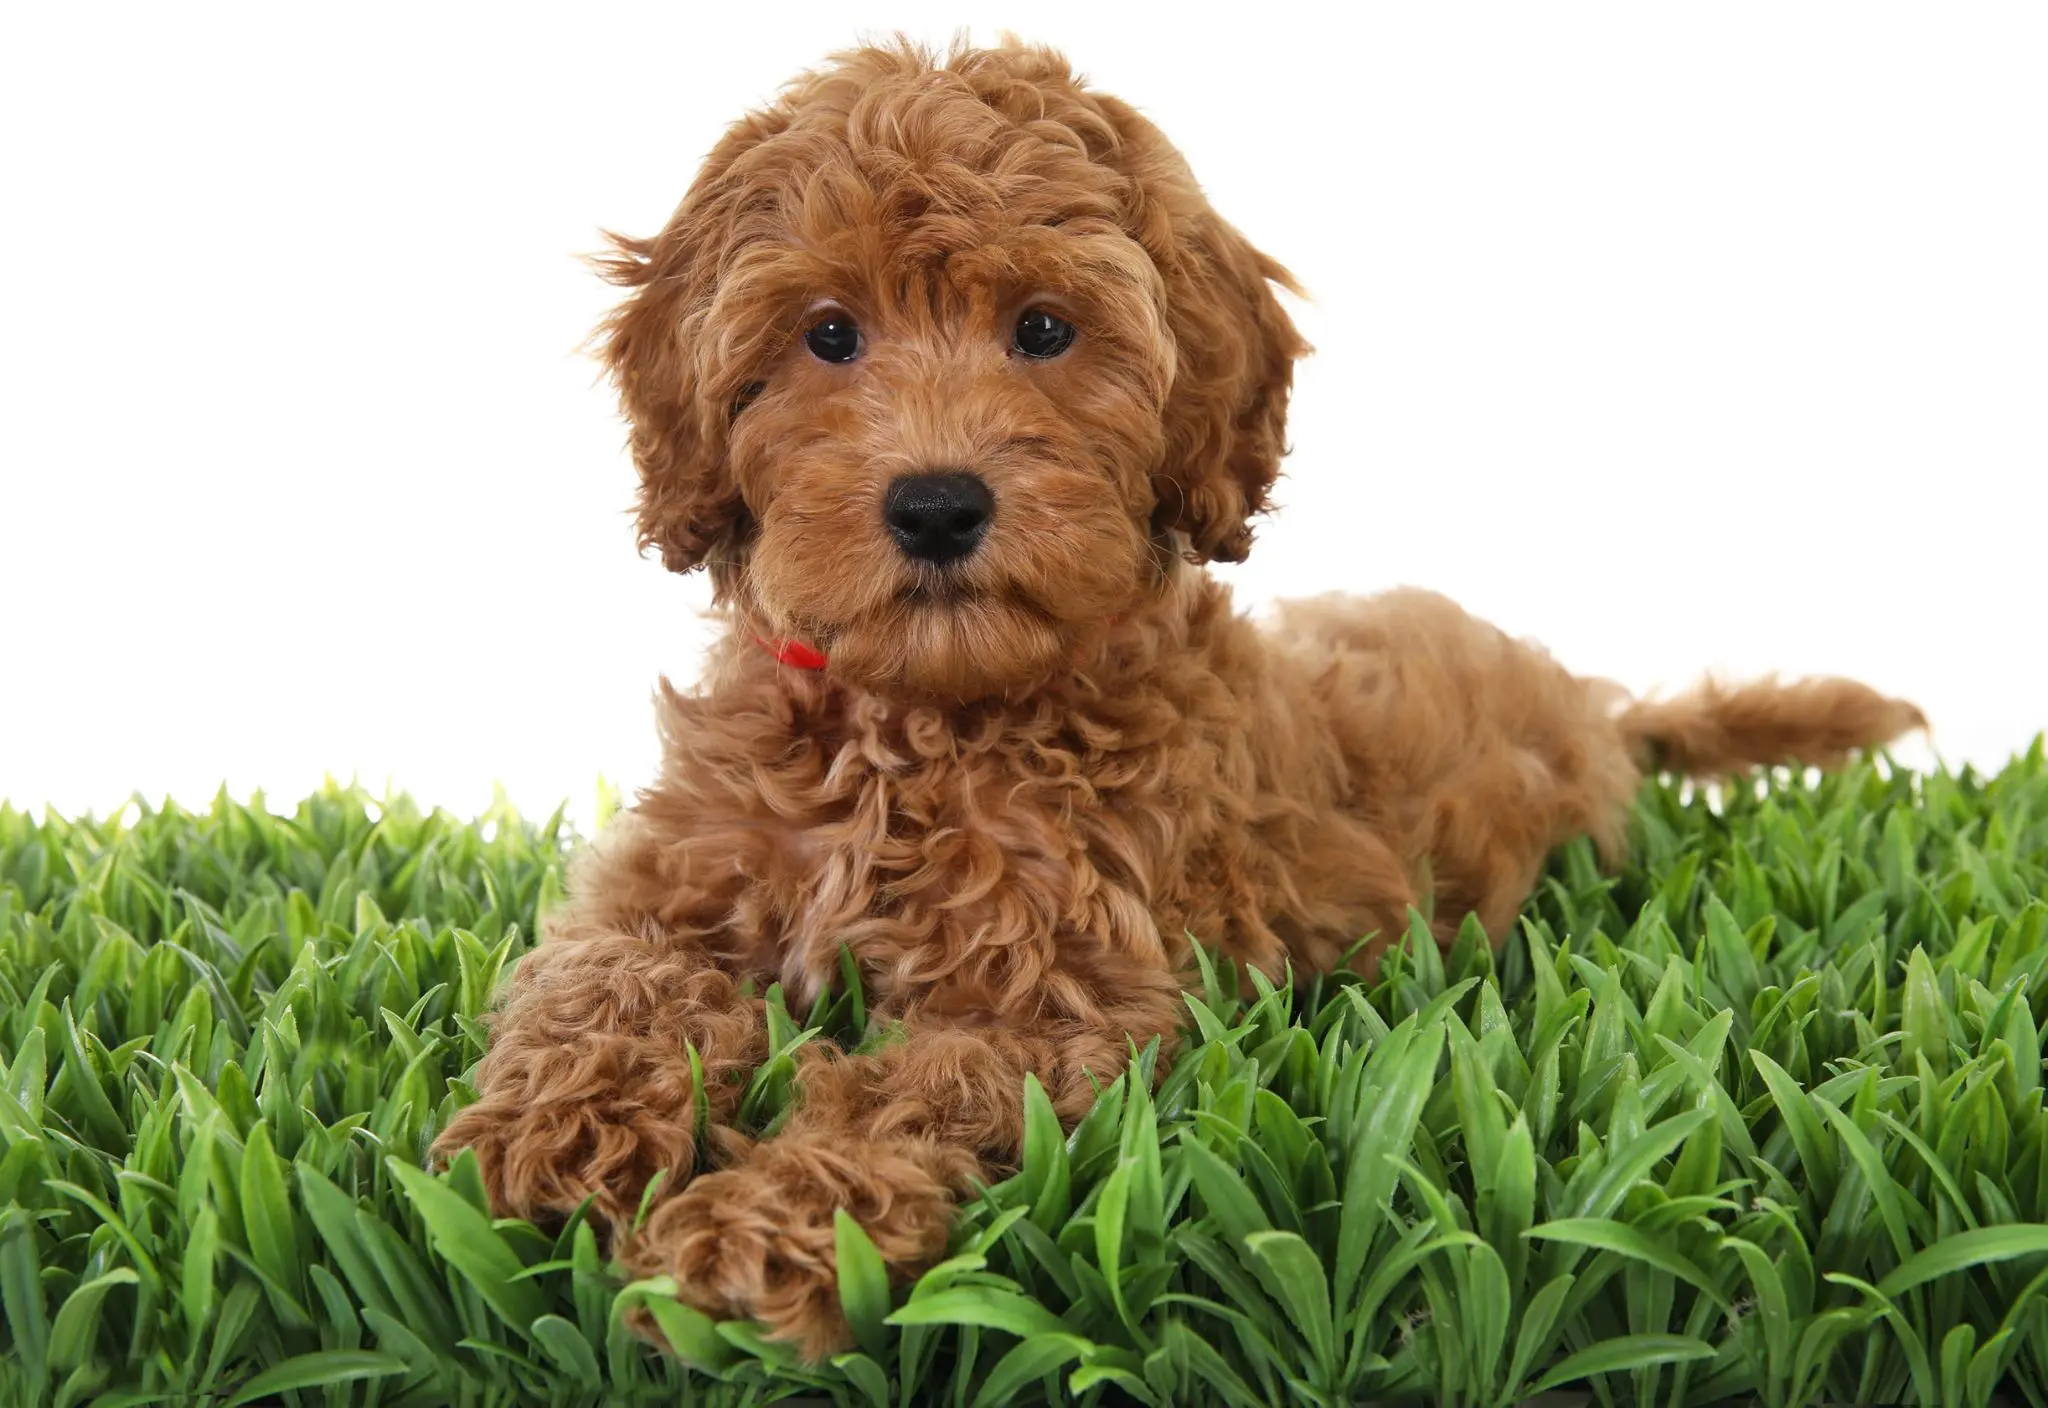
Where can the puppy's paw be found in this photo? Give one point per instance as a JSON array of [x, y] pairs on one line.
[[541, 1160], [757, 1241]]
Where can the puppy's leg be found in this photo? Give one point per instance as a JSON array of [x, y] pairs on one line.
[[895, 1137], [1473, 754], [587, 1089]]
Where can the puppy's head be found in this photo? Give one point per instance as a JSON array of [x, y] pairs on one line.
[[942, 365]]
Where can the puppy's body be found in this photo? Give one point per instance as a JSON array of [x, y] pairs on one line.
[[1018, 881], [1042, 751]]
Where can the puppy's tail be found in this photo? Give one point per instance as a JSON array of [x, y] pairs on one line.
[[1716, 730]]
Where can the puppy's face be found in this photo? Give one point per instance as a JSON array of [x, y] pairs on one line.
[[947, 456], [942, 368]]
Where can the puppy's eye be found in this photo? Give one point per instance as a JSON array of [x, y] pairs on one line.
[[837, 339], [1042, 334]]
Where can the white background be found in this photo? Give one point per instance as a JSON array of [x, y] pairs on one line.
[[1680, 337]]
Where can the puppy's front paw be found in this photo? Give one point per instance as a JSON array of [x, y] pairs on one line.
[[756, 1240], [541, 1160]]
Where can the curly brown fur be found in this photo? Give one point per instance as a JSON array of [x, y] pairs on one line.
[[1024, 779]]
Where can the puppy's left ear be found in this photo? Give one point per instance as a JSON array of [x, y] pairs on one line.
[[1226, 416], [1234, 345]]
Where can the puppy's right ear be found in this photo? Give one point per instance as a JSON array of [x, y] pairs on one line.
[[653, 345], [682, 349]]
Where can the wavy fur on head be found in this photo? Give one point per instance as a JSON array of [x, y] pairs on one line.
[[934, 202], [1024, 779]]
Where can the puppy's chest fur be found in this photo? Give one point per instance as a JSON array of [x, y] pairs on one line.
[[967, 856]]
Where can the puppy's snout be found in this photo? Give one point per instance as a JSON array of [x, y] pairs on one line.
[[938, 518]]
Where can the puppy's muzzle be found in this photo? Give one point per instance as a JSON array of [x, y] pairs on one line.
[[938, 518]]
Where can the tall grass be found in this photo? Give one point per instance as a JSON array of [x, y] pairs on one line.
[[1758, 1120]]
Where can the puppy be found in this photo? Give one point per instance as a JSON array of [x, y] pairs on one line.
[[948, 373]]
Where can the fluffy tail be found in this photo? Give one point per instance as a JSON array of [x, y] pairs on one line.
[[1715, 730]]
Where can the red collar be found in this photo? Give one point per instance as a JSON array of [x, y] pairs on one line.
[[793, 653], [799, 656]]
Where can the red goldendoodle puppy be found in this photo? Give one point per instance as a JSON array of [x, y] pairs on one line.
[[950, 375]]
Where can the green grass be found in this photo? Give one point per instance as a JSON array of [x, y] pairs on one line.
[[1759, 1119]]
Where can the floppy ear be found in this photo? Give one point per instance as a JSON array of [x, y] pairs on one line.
[[1234, 347], [1226, 415], [680, 380]]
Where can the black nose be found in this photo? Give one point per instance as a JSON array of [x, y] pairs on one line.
[[938, 517]]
